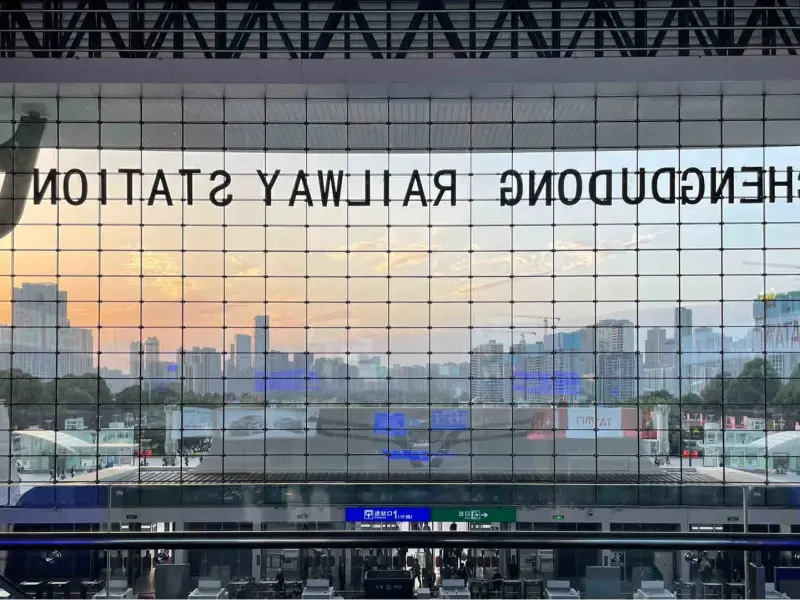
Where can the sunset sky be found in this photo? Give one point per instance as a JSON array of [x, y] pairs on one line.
[[401, 250]]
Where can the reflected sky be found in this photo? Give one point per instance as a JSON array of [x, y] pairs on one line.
[[405, 267]]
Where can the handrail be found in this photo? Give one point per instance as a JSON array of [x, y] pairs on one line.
[[403, 539], [14, 591]]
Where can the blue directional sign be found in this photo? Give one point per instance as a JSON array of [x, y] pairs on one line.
[[393, 424], [386, 514], [453, 420]]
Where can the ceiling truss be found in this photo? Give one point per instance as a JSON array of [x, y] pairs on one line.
[[396, 29]]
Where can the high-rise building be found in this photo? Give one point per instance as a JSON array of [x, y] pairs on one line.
[[654, 348], [135, 360], [261, 344], [39, 305], [617, 361], [243, 347], [683, 328], [615, 335], [202, 371], [490, 374], [152, 358], [43, 342]]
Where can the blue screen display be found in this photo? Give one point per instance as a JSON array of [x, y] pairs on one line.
[[452, 420], [558, 383], [396, 424], [293, 380], [385, 514], [420, 455]]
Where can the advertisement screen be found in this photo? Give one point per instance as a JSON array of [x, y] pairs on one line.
[[371, 443]]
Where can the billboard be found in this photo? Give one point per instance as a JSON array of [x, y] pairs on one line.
[[374, 442], [586, 422], [268, 423]]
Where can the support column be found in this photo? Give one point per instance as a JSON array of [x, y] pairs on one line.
[[256, 555], [180, 556]]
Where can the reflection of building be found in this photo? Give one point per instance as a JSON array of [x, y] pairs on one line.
[[654, 348], [76, 447], [490, 379], [43, 342], [152, 358], [749, 447], [683, 328], [243, 358], [261, 343], [617, 361], [557, 378], [202, 371], [777, 331], [135, 360], [369, 372]]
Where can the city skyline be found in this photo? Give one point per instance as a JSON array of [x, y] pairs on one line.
[[600, 362], [335, 279]]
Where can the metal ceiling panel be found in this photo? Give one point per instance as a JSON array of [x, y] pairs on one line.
[[245, 136], [574, 136], [533, 109], [205, 110], [409, 111], [781, 133], [285, 111], [327, 137], [742, 133], [450, 111], [368, 111], [370, 136], [701, 134], [245, 110], [286, 137], [327, 111], [490, 110], [533, 136], [118, 135]]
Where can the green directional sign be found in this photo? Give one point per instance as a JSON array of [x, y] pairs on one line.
[[465, 514]]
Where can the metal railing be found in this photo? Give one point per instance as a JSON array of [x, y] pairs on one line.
[[399, 539]]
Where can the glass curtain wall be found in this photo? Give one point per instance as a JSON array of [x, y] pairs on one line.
[[513, 290]]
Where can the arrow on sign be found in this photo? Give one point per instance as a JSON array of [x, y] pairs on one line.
[[484, 515]]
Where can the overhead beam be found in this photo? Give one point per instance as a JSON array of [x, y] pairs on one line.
[[404, 78], [380, 29]]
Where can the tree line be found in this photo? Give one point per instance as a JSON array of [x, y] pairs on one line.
[[34, 401]]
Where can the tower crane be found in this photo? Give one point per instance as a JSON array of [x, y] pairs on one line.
[[543, 319], [505, 330]]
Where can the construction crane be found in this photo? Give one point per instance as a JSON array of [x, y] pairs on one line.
[[543, 319], [505, 330]]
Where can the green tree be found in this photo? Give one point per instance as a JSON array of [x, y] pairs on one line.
[[80, 390], [787, 400], [658, 397], [78, 396], [758, 384], [131, 395], [717, 390], [692, 399], [30, 403]]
